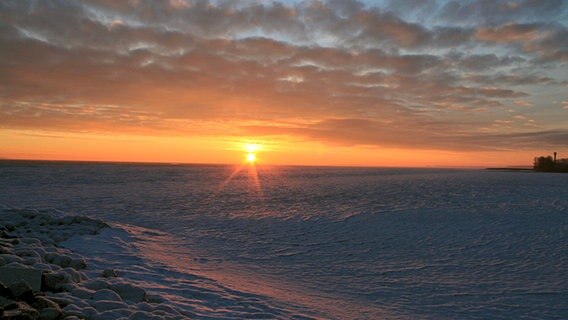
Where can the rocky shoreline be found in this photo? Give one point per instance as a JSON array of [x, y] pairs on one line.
[[41, 280]]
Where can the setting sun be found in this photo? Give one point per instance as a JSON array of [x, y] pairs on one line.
[[251, 158]]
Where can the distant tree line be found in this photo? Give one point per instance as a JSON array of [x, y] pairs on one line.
[[550, 164]]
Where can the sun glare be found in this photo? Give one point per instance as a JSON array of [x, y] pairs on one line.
[[252, 147], [251, 158]]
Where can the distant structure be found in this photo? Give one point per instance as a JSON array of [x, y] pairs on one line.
[[550, 164]]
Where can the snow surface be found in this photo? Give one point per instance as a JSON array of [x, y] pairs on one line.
[[320, 242]]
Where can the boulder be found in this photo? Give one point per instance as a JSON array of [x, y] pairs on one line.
[[22, 312], [50, 314], [72, 310], [7, 304], [106, 295], [45, 303], [83, 293], [53, 281], [104, 305], [110, 273], [62, 260], [78, 264], [22, 290], [141, 315], [96, 284], [9, 258], [129, 292], [4, 291]]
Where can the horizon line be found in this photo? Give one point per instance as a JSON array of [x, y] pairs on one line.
[[172, 163]]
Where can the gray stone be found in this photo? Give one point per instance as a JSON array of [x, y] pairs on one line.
[[44, 303], [52, 281], [78, 264], [50, 314], [73, 274], [72, 310], [50, 256], [4, 291], [22, 290], [83, 293], [7, 304], [62, 260], [23, 311], [141, 315], [9, 258], [110, 273], [114, 314], [96, 284], [61, 301], [105, 305], [129, 292], [106, 295]]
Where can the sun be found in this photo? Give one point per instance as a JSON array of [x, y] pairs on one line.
[[251, 158], [251, 150]]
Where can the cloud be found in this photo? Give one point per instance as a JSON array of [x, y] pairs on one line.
[[549, 41], [357, 74]]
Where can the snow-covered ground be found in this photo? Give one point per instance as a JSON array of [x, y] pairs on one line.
[[317, 242]]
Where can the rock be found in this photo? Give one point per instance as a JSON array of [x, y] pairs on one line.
[[6, 244], [23, 253], [50, 314], [22, 290], [22, 312], [144, 306], [105, 305], [53, 281], [49, 256], [154, 298], [72, 310], [31, 241], [43, 266], [9, 258], [114, 314], [44, 303], [110, 273], [62, 260], [16, 265], [90, 313], [74, 275], [141, 315], [96, 284], [166, 308], [6, 235], [83, 293], [4, 291], [30, 261], [106, 295], [129, 292], [78, 264], [7, 304], [61, 300]]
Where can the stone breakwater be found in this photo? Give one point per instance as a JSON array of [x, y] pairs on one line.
[[41, 280]]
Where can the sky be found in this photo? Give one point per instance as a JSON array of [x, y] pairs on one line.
[[338, 82]]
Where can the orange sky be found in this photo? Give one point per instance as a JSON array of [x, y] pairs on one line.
[[353, 83]]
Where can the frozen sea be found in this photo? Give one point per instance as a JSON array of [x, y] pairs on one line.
[[321, 243]]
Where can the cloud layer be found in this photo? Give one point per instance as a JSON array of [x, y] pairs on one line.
[[451, 75]]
